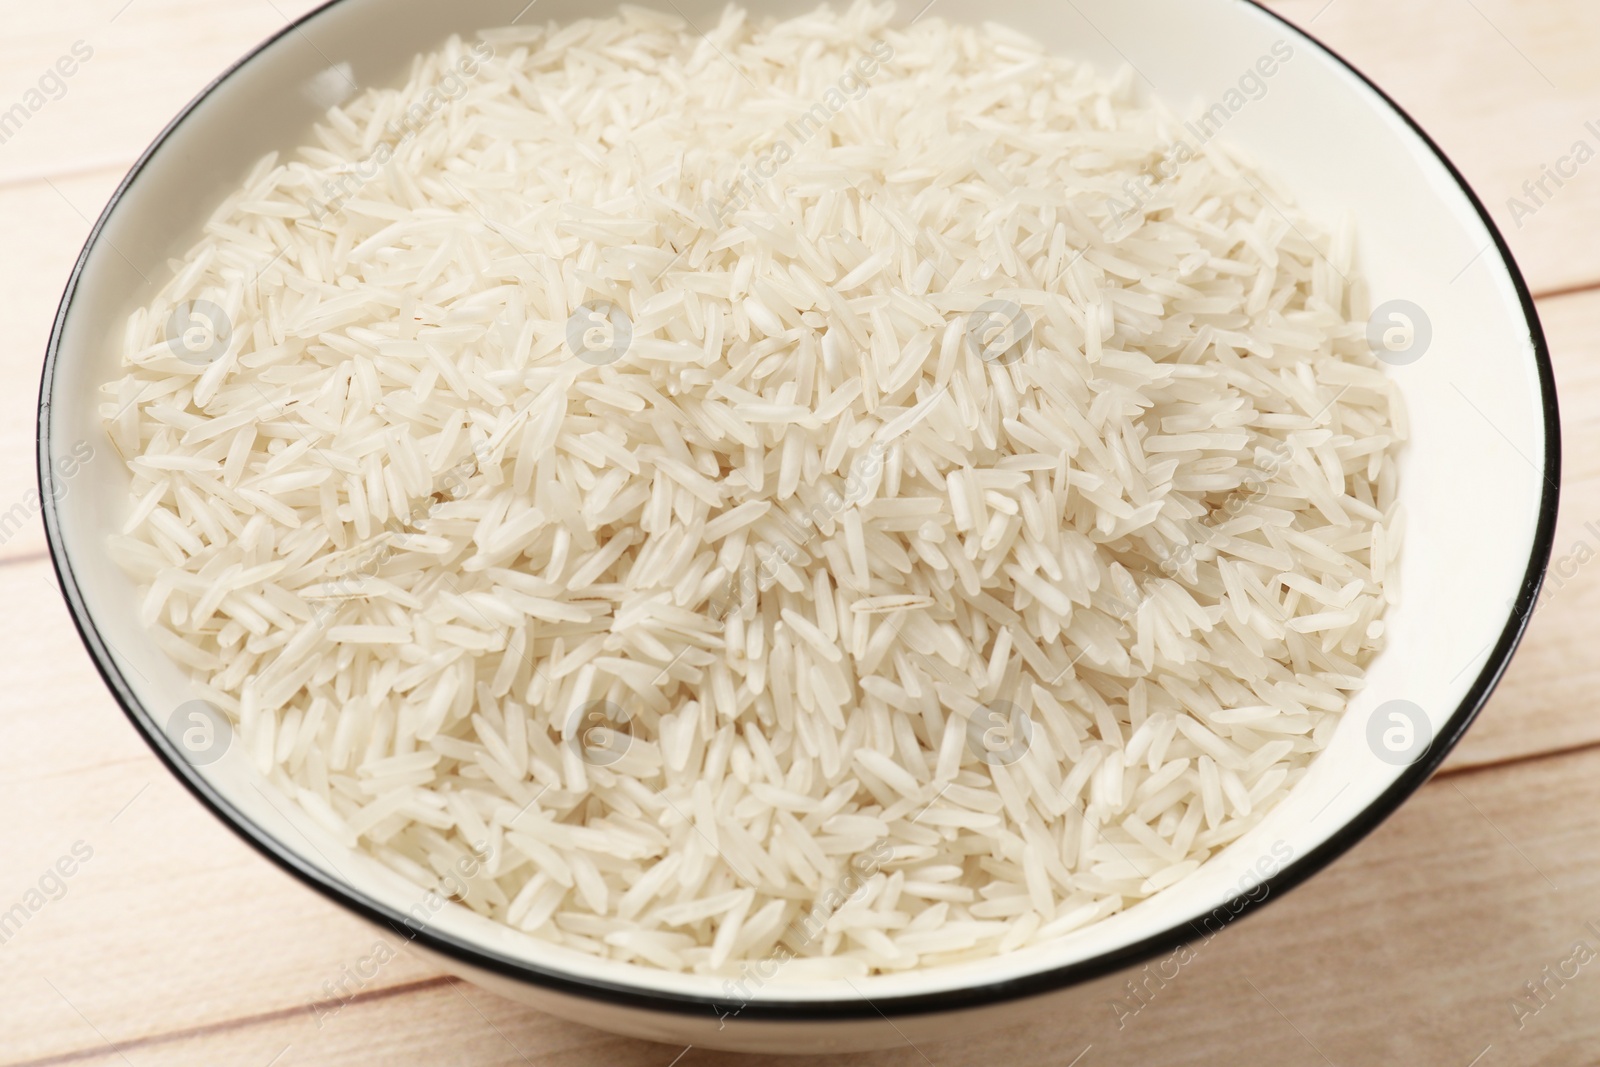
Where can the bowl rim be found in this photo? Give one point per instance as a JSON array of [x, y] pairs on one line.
[[1035, 984]]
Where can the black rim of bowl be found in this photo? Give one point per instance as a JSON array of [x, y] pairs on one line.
[[855, 1008]]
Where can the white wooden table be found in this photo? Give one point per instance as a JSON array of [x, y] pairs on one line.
[[174, 944]]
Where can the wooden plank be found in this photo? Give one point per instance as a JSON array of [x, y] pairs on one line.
[[120, 99], [179, 944], [1505, 87], [172, 922], [46, 224], [68, 763], [1412, 949], [447, 1022], [175, 925], [145, 60], [1543, 703]]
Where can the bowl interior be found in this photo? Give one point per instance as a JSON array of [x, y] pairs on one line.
[[1477, 479]]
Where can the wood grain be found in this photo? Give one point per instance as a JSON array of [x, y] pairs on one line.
[[1411, 950], [1542, 704], [149, 58], [176, 944], [1505, 87], [173, 922]]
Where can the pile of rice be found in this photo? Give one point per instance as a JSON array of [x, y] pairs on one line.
[[875, 552]]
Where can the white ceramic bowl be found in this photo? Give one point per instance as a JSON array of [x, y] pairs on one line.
[[1478, 484]]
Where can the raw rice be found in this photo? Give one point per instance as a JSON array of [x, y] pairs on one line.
[[804, 623]]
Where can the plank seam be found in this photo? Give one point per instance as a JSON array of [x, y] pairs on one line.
[[237, 1023]]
